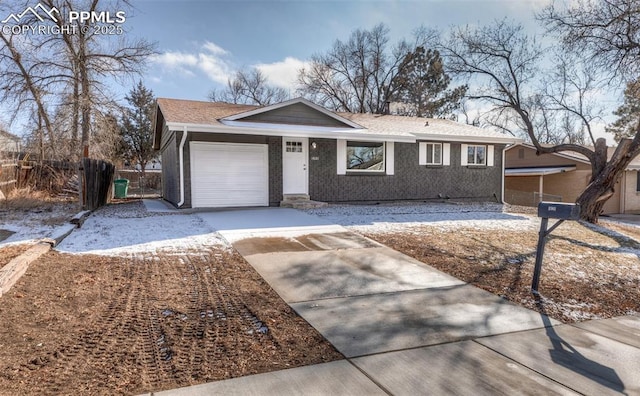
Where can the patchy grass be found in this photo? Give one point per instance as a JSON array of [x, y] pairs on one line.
[[26, 198]]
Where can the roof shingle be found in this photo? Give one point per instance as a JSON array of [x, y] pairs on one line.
[[210, 113]]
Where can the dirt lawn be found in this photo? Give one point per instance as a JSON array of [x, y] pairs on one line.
[[153, 320], [83, 324], [588, 271]]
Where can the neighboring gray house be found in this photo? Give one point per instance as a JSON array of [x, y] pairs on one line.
[[227, 155]]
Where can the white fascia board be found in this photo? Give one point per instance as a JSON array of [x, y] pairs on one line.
[[312, 132], [537, 172], [466, 139]]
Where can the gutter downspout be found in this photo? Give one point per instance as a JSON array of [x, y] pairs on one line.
[[504, 150], [181, 164]]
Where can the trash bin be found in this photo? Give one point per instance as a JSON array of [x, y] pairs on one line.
[[121, 187]]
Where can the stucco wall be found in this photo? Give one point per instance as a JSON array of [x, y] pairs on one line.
[[410, 181]]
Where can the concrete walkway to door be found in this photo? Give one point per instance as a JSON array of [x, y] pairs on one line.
[[406, 328]]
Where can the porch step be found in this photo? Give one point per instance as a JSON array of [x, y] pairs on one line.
[[301, 204], [296, 197], [300, 201]]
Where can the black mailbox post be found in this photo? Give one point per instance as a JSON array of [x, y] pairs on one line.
[[550, 210]]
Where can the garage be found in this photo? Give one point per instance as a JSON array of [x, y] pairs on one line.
[[229, 174]]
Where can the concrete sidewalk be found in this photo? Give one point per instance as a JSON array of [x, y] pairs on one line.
[[407, 328]]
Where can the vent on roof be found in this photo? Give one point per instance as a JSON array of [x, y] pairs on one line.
[[426, 123]]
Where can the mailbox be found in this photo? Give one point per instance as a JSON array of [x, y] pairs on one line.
[[556, 210]]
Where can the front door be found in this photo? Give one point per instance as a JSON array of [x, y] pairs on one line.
[[294, 166]]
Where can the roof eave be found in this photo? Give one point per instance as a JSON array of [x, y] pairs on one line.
[[558, 154], [467, 138], [328, 133], [541, 172]]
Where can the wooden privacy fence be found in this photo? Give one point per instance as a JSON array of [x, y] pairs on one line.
[[97, 183], [8, 177]]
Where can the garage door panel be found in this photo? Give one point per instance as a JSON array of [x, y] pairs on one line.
[[227, 174]]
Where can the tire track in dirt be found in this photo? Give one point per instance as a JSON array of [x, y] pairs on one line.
[[147, 322]]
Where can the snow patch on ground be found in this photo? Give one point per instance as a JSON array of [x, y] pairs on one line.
[[31, 225], [129, 229], [385, 218]]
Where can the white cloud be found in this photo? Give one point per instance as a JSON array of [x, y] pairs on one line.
[[210, 59], [214, 49], [284, 73], [215, 63]]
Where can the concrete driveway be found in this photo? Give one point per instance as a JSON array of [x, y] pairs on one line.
[[410, 328]]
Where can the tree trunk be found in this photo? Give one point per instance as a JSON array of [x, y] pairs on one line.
[[602, 184], [595, 196], [75, 123]]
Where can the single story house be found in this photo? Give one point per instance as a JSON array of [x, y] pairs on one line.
[[531, 178], [228, 155]]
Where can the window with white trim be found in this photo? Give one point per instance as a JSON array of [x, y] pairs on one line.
[[476, 155], [433, 153], [365, 156]]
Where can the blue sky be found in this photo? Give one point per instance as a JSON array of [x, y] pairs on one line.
[[202, 42]]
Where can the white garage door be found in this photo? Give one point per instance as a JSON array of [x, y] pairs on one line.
[[229, 174]]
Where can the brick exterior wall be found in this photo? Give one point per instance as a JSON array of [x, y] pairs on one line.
[[410, 181]]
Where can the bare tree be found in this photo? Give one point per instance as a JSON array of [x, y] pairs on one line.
[[249, 87], [503, 61], [607, 34], [571, 90], [71, 68], [93, 56], [356, 76], [23, 84]]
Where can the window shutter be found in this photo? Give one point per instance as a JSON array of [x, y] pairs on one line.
[[389, 159], [422, 153], [341, 156], [446, 154], [463, 155], [490, 155]]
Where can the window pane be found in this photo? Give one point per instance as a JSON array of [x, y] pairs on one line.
[[365, 156], [429, 153], [437, 153], [480, 155], [471, 155]]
